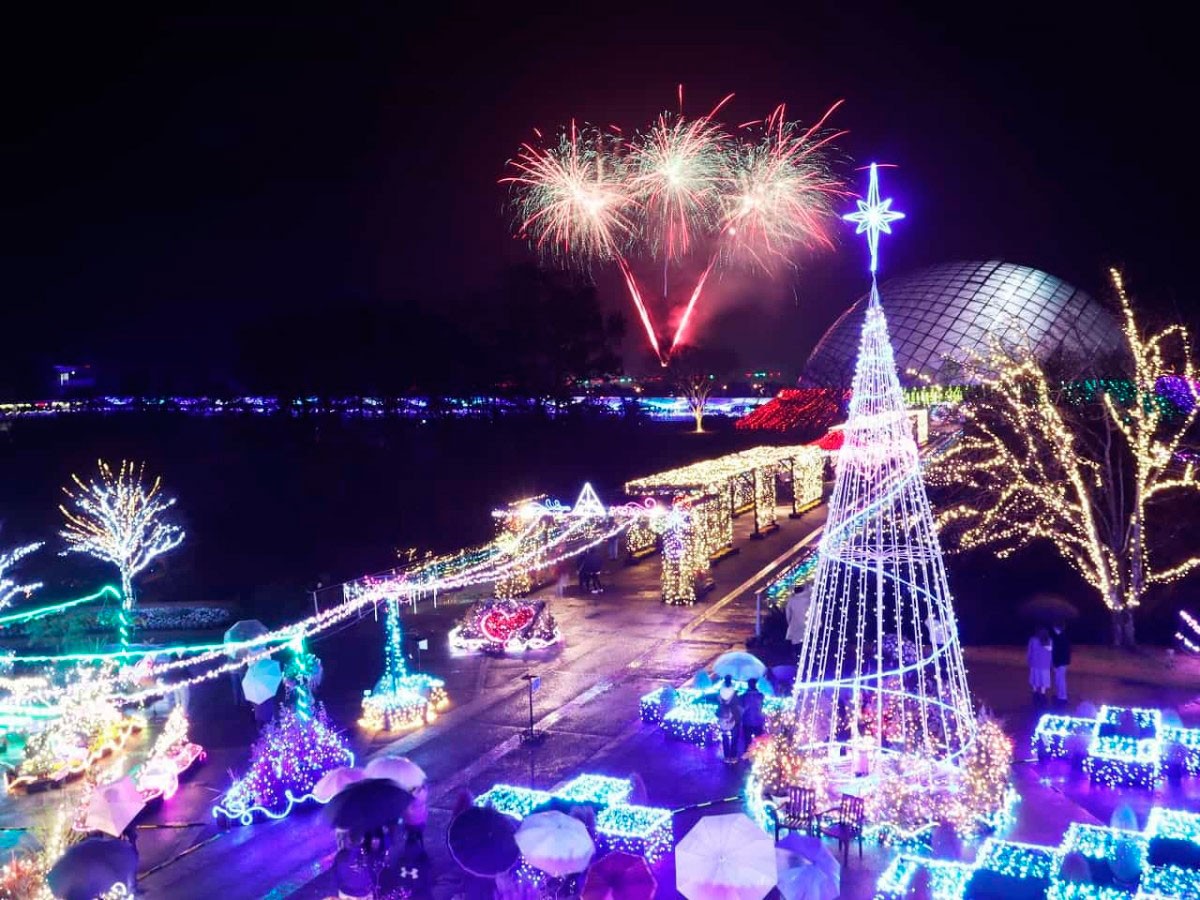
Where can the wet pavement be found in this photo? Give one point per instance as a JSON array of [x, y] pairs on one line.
[[618, 645]]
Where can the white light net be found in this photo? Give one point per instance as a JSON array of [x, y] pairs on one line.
[[881, 663]]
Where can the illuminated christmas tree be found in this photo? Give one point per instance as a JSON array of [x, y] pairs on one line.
[[291, 754], [881, 668]]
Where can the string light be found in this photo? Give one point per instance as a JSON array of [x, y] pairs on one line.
[[640, 830], [1008, 868], [1122, 746], [53, 609], [1039, 481], [643, 830], [9, 589], [513, 801], [1189, 635], [118, 520]]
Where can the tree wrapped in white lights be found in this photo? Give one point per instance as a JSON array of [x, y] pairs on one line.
[[117, 519], [10, 589], [1032, 469], [881, 668]]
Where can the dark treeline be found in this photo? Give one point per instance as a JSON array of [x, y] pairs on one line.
[[534, 332]]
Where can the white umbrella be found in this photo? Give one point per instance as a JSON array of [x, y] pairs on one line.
[[245, 630], [555, 843], [334, 780], [740, 665], [400, 769], [806, 869], [261, 681], [725, 858], [113, 806]]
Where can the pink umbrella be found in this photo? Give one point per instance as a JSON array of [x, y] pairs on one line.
[[113, 806], [400, 769], [725, 858], [333, 781], [555, 843], [619, 876]]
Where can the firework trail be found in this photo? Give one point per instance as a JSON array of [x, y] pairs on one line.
[[682, 188]]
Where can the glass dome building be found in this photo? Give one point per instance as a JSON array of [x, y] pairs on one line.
[[936, 314]]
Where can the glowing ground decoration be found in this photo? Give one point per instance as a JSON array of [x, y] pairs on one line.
[[286, 762], [643, 830], [171, 756], [1161, 861], [880, 582], [692, 714], [1121, 746], [400, 699], [506, 625]]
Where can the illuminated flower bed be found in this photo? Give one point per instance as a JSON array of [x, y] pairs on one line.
[[1093, 862], [690, 714], [171, 756], [1121, 746], [89, 727], [643, 830], [905, 794], [509, 626]]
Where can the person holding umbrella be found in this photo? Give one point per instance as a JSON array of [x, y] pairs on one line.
[[1060, 653], [729, 719], [1039, 655]]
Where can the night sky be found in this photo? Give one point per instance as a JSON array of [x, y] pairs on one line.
[[171, 178]]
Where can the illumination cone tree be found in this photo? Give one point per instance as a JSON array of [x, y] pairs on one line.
[[880, 666], [881, 662]]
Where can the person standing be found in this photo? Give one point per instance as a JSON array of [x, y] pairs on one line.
[[753, 719], [729, 719], [1060, 657], [797, 616], [1040, 655]]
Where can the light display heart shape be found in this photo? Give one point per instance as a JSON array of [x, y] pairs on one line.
[[499, 626]]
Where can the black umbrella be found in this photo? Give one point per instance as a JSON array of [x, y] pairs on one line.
[[368, 804], [1049, 609], [91, 868], [481, 841]]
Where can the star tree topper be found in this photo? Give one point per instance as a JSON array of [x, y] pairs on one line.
[[874, 216]]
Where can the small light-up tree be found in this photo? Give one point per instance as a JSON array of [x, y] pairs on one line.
[[696, 373], [117, 519], [9, 589], [1032, 467]]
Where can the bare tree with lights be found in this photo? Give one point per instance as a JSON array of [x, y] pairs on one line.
[[117, 519], [1030, 467], [10, 589], [696, 373]]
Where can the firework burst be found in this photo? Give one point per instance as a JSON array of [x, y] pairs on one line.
[[683, 191], [573, 199], [677, 170], [779, 194]]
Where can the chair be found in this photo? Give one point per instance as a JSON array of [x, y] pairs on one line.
[[847, 826], [799, 811]]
